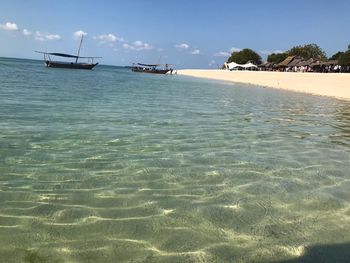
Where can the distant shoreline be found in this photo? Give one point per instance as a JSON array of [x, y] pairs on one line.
[[336, 85]]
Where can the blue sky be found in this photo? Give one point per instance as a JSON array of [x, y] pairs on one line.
[[187, 33]]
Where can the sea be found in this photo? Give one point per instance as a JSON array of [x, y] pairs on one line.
[[109, 165]]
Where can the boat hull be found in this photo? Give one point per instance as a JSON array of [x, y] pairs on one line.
[[152, 71], [52, 64]]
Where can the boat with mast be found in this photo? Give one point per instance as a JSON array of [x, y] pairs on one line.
[[72, 65]]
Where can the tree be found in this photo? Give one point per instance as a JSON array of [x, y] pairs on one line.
[[244, 56], [308, 51], [336, 56], [277, 57], [344, 59]]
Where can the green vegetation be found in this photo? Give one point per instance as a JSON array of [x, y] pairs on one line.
[[244, 56], [336, 56], [342, 57], [305, 51], [308, 51], [277, 57]]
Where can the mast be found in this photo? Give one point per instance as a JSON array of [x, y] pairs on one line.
[[81, 41], [160, 57]]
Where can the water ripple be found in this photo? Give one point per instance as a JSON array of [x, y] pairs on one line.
[[113, 166]]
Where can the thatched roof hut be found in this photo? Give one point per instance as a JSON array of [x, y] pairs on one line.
[[267, 65], [306, 63], [263, 65], [331, 62], [285, 63], [316, 63], [295, 62]]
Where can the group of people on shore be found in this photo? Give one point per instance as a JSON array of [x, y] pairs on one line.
[[320, 69]]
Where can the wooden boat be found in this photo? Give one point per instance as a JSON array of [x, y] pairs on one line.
[[72, 65], [150, 68]]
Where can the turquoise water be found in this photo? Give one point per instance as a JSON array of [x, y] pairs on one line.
[[114, 166]]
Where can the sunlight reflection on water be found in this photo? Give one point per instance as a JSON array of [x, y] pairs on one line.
[[109, 165]]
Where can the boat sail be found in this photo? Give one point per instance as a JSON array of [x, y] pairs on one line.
[[73, 65]]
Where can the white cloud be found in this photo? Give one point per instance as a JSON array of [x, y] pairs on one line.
[[222, 54], [108, 38], [53, 37], [126, 46], [78, 34], [268, 52], [182, 46], [235, 49], [26, 32], [195, 52], [46, 37], [138, 45], [39, 36], [227, 53], [9, 26]]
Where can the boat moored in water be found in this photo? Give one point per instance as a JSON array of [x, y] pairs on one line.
[[151, 68], [48, 62]]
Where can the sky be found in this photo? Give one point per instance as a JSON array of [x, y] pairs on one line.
[[185, 33]]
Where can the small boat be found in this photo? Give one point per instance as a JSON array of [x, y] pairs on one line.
[[72, 65], [151, 68]]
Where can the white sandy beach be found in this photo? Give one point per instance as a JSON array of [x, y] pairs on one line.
[[326, 84]]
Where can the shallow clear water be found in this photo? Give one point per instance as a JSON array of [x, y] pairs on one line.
[[114, 166]]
